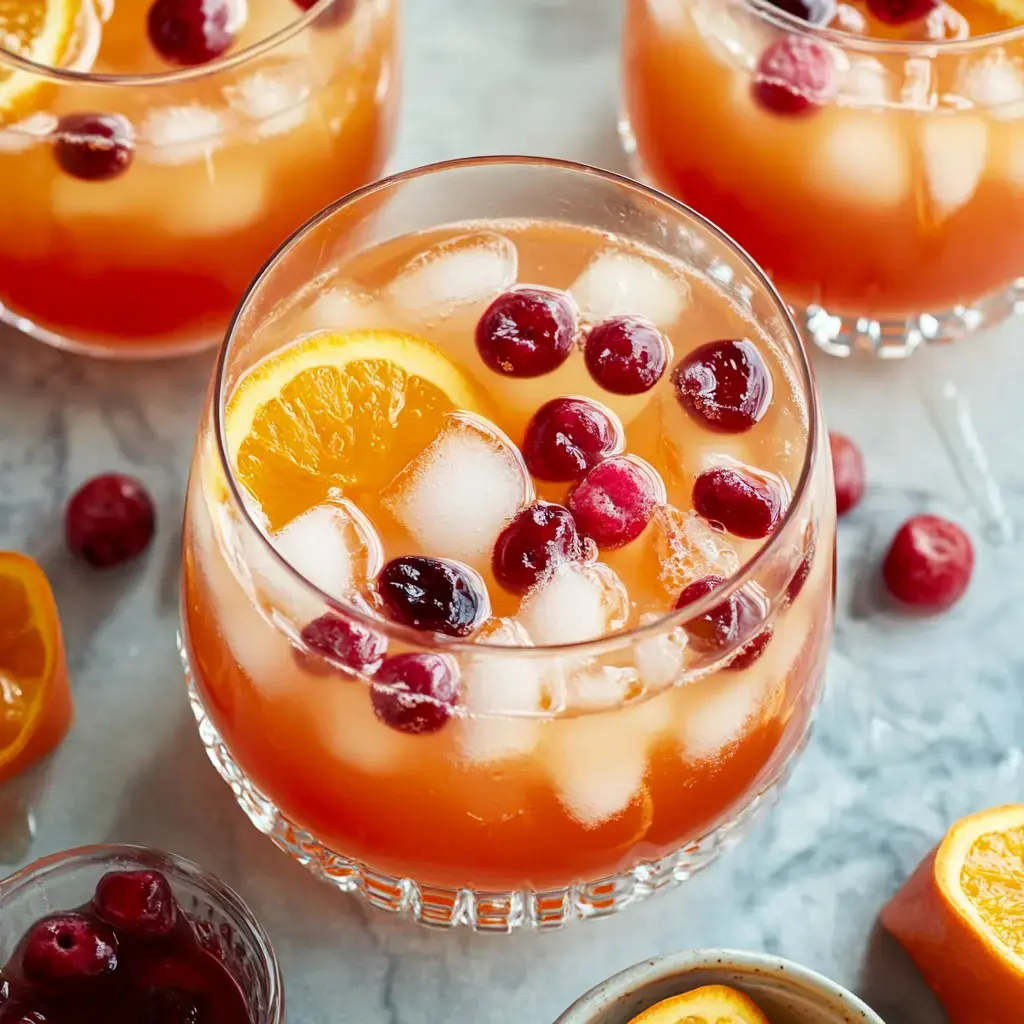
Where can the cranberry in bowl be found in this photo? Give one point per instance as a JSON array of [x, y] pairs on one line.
[[126, 935]]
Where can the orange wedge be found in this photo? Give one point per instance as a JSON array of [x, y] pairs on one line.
[[712, 1004], [339, 411], [35, 701], [40, 30], [961, 917]]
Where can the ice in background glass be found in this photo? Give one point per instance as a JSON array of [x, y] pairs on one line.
[[563, 780], [888, 207], [144, 250]]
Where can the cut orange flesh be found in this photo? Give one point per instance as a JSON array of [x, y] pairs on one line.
[[711, 1004], [39, 30], [35, 701], [961, 917]]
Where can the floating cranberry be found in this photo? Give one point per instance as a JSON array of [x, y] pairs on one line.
[[527, 332], [626, 355], [68, 948], [333, 14], [568, 436], [848, 470], [415, 693], [929, 564], [137, 902], [803, 570], [189, 32], [109, 520], [900, 12], [614, 502], [539, 537], [725, 384], [346, 642], [794, 76], [725, 623], [745, 505], [93, 147], [433, 594], [751, 650], [817, 12]]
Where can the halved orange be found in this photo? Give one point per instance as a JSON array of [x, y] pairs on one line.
[[339, 411], [710, 1004], [961, 917], [35, 700], [40, 30]]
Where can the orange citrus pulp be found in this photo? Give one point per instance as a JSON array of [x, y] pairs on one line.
[[711, 1004], [39, 30]]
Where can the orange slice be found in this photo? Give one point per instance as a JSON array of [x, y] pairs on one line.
[[961, 917], [35, 701], [339, 411], [711, 1004], [41, 31]]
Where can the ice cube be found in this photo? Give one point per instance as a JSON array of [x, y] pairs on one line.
[[850, 19], [1014, 160], [231, 198], [715, 712], [275, 98], [862, 161], [574, 604], [343, 717], [468, 269], [659, 657], [995, 84], [955, 150], [181, 135], [734, 34], [593, 687], [866, 83], [342, 309], [455, 496], [946, 24], [24, 134], [686, 548], [618, 283]]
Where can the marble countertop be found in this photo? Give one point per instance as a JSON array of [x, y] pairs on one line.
[[922, 721]]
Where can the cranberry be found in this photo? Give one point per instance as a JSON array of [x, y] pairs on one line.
[[626, 355], [726, 384], [751, 650], [817, 12], [745, 505], [109, 520], [799, 578], [848, 470], [539, 537], [526, 332], [899, 12], [794, 76], [137, 902], [68, 948], [725, 623], [421, 691], [929, 564], [334, 14], [346, 642], [93, 147], [189, 32], [568, 436], [172, 1006], [432, 593], [614, 502]]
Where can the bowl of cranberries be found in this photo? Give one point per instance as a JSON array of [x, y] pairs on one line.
[[125, 935]]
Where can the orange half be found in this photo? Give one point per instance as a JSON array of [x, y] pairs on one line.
[[711, 1004], [35, 700]]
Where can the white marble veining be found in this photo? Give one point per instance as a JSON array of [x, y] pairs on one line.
[[922, 722]]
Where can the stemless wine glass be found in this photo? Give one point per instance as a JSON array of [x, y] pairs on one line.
[[139, 206], [510, 811], [886, 197]]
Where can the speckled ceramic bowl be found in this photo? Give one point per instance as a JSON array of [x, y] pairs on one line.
[[786, 992]]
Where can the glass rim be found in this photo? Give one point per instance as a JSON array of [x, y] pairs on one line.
[[17, 63], [767, 10], [667, 622]]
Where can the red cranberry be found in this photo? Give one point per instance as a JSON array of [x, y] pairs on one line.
[[346, 643], [421, 691], [817, 12], [433, 594], [795, 75], [189, 32], [725, 623], [929, 564], [109, 520], [68, 948], [527, 332], [752, 650], [744, 505], [899, 12], [172, 1006], [568, 436], [539, 537], [626, 355], [334, 14], [726, 384], [803, 570], [93, 147], [848, 470], [137, 902], [615, 500]]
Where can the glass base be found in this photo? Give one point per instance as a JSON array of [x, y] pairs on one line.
[[498, 912]]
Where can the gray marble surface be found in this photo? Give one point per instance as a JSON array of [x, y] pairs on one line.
[[922, 721]]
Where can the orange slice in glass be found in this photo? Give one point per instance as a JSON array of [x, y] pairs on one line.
[[961, 917], [42, 31], [711, 1004], [339, 411], [35, 701]]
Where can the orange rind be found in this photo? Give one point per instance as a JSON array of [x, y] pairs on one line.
[[711, 1004]]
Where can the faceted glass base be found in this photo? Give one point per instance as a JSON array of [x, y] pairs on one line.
[[482, 911]]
